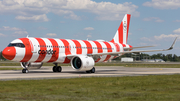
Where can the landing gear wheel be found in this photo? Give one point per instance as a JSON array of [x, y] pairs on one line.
[[25, 71], [57, 69], [91, 71], [88, 71]]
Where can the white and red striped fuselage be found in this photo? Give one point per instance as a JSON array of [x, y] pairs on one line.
[[56, 50]]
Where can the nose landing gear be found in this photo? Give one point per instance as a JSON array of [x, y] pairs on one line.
[[25, 71]]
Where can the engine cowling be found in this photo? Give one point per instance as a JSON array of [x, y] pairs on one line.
[[82, 63], [31, 65]]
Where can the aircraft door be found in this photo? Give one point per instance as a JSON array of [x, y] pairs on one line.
[[33, 47]]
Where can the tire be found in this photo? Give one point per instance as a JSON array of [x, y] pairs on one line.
[[93, 70], [88, 71], [59, 69], [24, 71], [54, 69]]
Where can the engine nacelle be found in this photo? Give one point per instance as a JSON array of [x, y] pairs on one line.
[[82, 63], [31, 65]]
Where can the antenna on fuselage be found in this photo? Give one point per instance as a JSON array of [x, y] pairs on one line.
[[27, 36]]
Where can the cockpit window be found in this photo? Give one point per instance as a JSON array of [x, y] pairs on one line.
[[16, 45]]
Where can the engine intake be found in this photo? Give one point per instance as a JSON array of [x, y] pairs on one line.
[[82, 63], [31, 65]]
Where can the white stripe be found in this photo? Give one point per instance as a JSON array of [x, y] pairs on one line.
[[61, 51], [35, 44], [47, 42]]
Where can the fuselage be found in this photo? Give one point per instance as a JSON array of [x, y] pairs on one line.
[[56, 50]]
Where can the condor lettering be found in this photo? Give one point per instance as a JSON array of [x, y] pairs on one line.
[[49, 52]]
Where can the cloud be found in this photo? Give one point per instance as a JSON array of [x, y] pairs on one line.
[[89, 28], [33, 18], [163, 4], [41, 28], [89, 36], [51, 34], [36, 10], [16, 31], [103, 10], [20, 33], [2, 35], [7, 28], [156, 19], [163, 36], [177, 30], [177, 21], [146, 39]]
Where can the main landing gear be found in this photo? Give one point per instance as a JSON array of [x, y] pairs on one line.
[[91, 71], [57, 68]]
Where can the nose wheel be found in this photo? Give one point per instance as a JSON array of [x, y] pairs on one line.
[[25, 71]]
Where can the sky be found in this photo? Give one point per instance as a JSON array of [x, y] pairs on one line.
[[153, 22]]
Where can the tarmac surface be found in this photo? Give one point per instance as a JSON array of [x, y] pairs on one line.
[[101, 71]]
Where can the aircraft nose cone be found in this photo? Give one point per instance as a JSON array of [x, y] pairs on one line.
[[9, 53]]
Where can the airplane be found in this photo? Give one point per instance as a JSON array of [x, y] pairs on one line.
[[32, 52]]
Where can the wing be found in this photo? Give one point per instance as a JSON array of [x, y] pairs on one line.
[[116, 53], [137, 47]]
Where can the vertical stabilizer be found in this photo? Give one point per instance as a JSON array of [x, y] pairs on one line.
[[121, 35]]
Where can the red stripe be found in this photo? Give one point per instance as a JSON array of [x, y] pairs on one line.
[[128, 22], [78, 47], [99, 47], [115, 57], [89, 50], [130, 47], [42, 45], [98, 59], [123, 45], [67, 60], [67, 50], [117, 47], [66, 44], [112, 41], [28, 52], [56, 49], [109, 48], [107, 57], [120, 31]]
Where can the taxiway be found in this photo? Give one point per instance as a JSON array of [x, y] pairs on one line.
[[68, 72]]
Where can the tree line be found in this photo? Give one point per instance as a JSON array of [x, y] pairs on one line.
[[167, 57]]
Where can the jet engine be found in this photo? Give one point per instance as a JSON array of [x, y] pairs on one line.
[[31, 65], [82, 63]]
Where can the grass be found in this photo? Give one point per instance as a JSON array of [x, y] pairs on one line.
[[9, 68], [149, 88]]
